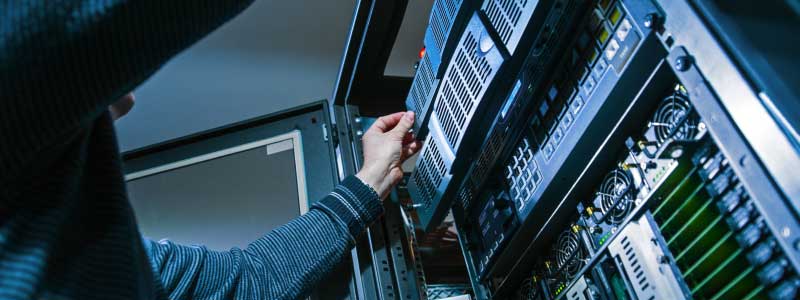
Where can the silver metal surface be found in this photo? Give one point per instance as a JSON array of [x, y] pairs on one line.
[[578, 290], [741, 101], [645, 263]]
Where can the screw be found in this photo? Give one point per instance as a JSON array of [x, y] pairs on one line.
[[683, 63], [358, 119], [650, 20], [359, 133]]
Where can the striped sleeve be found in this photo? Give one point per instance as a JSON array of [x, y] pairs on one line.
[[354, 204], [286, 263]]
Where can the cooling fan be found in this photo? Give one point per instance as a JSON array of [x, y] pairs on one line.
[[530, 290], [616, 196], [675, 119], [568, 254]]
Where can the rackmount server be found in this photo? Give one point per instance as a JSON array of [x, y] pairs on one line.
[[610, 149]]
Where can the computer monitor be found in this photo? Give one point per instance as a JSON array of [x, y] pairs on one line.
[[222, 199]]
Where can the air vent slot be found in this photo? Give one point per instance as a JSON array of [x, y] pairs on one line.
[[429, 172], [441, 21], [463, 85], [429, 185], [423, 82], [421, 95], [466, 194], [640, 255], [488, 155], [504, 16], [509, 18]]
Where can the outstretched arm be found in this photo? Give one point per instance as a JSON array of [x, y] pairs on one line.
[[284, 264], [287, 262]]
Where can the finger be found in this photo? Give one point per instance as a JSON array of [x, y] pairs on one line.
[[404, 125], [408, 138], [385, 123], [122, 106], [396, 175], [410, 149]]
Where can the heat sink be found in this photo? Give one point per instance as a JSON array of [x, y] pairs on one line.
[[700, 236]]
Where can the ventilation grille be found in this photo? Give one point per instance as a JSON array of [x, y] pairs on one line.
[[640, 278], [544, 48], [466, 78], [568, 254], [442, 16], [674, 119], [504, 16], [488, 154], [420, 89], [466, 195], [616, 195], [429, 172]]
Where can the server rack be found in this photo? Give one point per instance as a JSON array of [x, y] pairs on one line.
[[532, 122], [549, 163]]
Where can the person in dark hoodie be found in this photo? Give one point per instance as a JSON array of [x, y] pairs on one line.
[[67, 230]]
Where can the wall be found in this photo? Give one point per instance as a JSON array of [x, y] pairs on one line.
[[276, 55]]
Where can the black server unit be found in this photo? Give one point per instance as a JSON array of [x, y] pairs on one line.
[[447, 20], [618, 149], [475, 63], [471, 92]]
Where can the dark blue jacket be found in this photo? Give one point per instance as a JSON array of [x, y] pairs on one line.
[[67, 230]]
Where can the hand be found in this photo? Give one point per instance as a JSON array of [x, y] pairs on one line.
[[386, 145], [121, 107]]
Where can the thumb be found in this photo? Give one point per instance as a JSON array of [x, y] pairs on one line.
[[401, 129]]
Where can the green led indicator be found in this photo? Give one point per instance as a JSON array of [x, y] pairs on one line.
[[604, 238], [560, 288]]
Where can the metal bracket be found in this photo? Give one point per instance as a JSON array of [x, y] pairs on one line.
[[748, 167]]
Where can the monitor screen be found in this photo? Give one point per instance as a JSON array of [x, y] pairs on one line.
[[223, 199]]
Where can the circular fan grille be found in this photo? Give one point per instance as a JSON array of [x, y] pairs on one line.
[[529, 291], [616, 186], [568, 255], [671, 115]]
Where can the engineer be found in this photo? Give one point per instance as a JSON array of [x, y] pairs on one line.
[[67, 230]]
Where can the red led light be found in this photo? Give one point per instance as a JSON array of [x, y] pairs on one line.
[[421, 52]]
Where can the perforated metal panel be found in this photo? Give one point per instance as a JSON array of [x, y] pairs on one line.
[[442, 16], [466, 194], [644, 261], [474, 65], [509, 18], [431, 178], [421, 95], [447, 20], [429, 172], [578, 290], [488, 155]]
